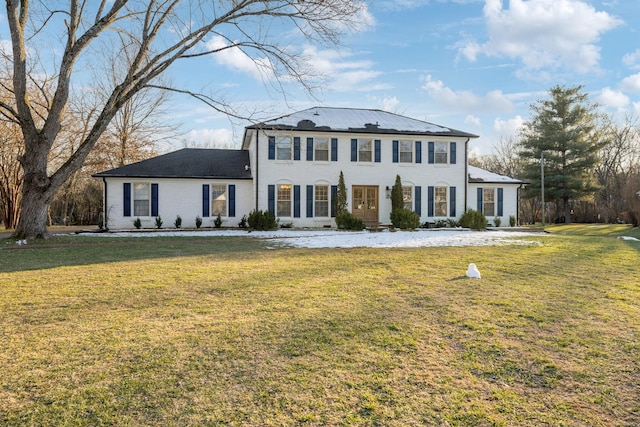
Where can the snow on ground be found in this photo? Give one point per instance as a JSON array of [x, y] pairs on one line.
[[350, 239]]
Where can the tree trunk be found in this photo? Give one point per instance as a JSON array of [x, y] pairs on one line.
[[37, 193]]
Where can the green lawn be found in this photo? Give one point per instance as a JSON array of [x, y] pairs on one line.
[[226, 331]]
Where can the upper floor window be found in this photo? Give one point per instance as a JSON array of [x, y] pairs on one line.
[[405, 151], [141, 199], [219, 200], [321, 149], [365, 150], [283, 148], [441, 152]]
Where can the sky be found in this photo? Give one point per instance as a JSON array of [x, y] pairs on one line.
[[471, 65]]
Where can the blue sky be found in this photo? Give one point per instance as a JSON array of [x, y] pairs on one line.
[[473, 65]]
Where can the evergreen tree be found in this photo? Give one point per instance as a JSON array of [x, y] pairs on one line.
[[397, 200], [341, 196], [564, 130]]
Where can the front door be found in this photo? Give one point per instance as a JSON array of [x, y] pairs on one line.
[[365, 204]]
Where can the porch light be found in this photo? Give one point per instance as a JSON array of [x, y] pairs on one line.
[[388, 192]]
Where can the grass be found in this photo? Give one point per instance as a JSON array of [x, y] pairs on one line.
[[226, 331]]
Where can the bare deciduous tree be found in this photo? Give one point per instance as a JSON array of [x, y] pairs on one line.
[[157, 33]]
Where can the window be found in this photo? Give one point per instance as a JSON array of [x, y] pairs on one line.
[[407, 197], [365, 149], [440, 201], [283, 148], [219, 200], [488, 202], [321, 149], [141, 199], [284, 200], [321, 202], [440, 152], [405, 151]]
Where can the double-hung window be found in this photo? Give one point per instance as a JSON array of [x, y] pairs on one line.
[[407, 197], [440, 201], [405, 151], [321, 149], [321, 202], [283, 148], [219, 200], [141, 199], [365, 150], [441, 151], [488, 202], [284, 200]]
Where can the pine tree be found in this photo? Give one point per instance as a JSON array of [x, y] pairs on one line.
[[397, 200], [341, 197], [564, 130]]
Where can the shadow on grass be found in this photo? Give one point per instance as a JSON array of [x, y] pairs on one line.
[[77, 250]]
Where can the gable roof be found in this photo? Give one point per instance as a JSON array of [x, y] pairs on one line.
[[188, 163], [478, 175], [356, 120]]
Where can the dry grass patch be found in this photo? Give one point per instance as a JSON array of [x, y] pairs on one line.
[[198, 333]]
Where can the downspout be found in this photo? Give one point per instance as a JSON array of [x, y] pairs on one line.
[[257, 168], [104, 204], [466, 172], [518, 205]]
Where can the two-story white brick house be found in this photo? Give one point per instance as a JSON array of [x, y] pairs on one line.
[[291, 166]]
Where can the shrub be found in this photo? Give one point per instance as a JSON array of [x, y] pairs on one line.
[[259, 220], [444, 223], [512, 220], [158, 222], [474, 220], [178, 222], [348, 221], [217, 223], [198, 222], [497, 221], [243, 222], [405, 219], [137, 223]]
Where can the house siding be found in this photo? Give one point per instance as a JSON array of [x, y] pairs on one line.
[[380, 172], [173, 197]]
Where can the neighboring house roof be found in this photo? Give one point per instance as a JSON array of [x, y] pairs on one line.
[[188, 163], [355, 120], [477, 175]]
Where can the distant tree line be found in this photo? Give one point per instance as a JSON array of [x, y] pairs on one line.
[[591, 164]]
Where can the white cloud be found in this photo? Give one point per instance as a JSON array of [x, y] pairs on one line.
[[234, 58], [509, 127], [632, 60], [473, 120], [613, 98], [631, 83], [390, 104], [465, 100], [341, 73], [543, 33]]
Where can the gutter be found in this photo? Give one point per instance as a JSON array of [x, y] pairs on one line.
[[257, 175], [466, 172], [104, 205]]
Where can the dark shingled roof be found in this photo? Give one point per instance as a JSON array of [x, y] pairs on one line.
[[188, 163]]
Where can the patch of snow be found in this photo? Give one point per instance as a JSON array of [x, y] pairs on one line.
[[354, 239], [633, 239]]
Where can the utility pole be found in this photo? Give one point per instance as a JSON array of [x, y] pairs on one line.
[[542, 183]]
